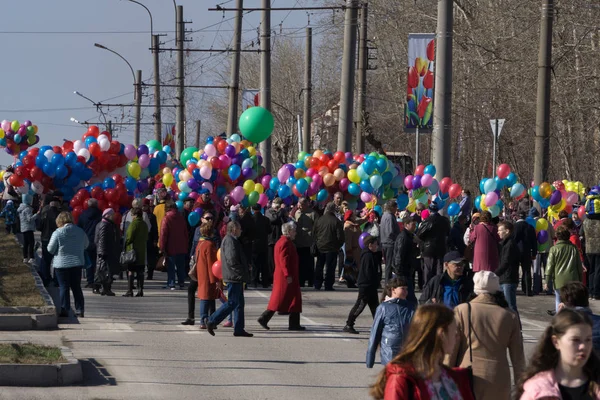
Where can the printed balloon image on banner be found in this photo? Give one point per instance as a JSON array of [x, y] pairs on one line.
[[418, 112], [168, 136], [250, 98]]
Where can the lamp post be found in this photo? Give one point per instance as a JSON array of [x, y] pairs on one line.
[[149, 13], [137, 85], [98, 107]]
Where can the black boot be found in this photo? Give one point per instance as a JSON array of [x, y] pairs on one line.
[[294, 324], [265, 318], [140, 282], [130, 279]]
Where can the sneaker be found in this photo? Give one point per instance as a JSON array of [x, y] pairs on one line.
[[350, 329], [31, 261], [228, 324], [172, 288], [243, 334]]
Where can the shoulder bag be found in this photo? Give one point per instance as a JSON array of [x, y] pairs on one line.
[[127, 257], [470, 367]]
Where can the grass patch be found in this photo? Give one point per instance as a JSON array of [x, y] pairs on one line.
[[17, 286], [29, 353]]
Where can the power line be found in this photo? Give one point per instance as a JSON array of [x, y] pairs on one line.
[[47, 109]]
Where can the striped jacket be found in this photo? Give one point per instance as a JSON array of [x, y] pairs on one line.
[[67, 244]]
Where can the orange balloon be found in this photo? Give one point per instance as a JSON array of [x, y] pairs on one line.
[[329, 179], [219, 254]]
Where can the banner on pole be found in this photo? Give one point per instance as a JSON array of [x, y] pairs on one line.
[[418, 110], [250, 98], [168, 136]]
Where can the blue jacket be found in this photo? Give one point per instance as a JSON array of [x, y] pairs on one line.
[[68, 244], [595, 329], [88, 220], [390, 325]]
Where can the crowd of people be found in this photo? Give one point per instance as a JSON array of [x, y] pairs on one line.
[[450, 343]]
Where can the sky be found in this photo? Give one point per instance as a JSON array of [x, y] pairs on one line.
[[48, 53]]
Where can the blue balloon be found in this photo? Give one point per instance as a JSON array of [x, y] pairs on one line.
[[86, 174], [274, 184], [499, 182], [22, 154], [511, 179], [271, 194], [378, 210], [354, 189], [234, 172], [482, 185], [322, 195], [284, 191], [40, 160], [49, 169], [535, 193], [130, 184], [194, 218], [182, 196], [57, 159], [291, 181], [544, 203], [430, 169], [154, 166], [368, 166], [453, 209], [301, 185], [365, 185], [387, 178], [167, 149], [531, 221], [70, 159], [382, 165], [72, 180], [179, 204], [61, 172], [89, 140], [109, 183], [161, 157], [44, 148], [402, 201], [477, 203]]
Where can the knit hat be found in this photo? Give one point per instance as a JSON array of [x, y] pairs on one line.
[[347, 215], [486, 282], [108, 212], [27, 199]]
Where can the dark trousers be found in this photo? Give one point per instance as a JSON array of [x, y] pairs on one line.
[[91, 270], [327, 260], [47, 262], [594, 274], [235, 303], [176, 263], [260, 268], [28, 242], [294, 318], [307, 266], [192, 298], [418, 271], [152, 259], [432, 266], [526, 282], [271, 256], [365, 297], [69, 279], [388, 255], [11, 228]]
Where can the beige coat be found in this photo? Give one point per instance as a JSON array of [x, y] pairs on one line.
[[494, 330]]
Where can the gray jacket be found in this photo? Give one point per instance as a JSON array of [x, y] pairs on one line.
[[388, 229], [234, 264], [27, 218]]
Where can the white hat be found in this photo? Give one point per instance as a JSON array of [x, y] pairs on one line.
[[486, 282]]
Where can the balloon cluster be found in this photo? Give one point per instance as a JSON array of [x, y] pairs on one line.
[[541, 230], [556, 197], [491, 190], [17, 137], [423, 188]]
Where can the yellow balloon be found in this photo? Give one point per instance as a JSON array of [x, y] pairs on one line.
[[2, 134], [134, 169], [412, 206], [369, 205], [353, 176], [259, 188], [196, 155], [251, 150], [168, 179], [15, 125], [2, 174], [219, 254], [541, 225], [35, 129], [249, 187]]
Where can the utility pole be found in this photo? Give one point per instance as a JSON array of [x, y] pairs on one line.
[[441, 140], [265, 76], [198, 125], [180, 110], [234, 84], [109, 128], [138, 107], [157, 117], [542, 120], [363, 65], [344, 142], [307, 92]]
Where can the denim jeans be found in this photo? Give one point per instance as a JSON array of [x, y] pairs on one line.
[[176, 263], [510, 293], [539, 267], [91, 270], [70, 279], [556, 299], [207, 308], [235, 303]]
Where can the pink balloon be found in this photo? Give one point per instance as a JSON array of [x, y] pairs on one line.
[[424, 214], [317, 179], [130, 152], [144, 161], [266, 180], [263, 199], [210, 150], [491, 199], [344, 183], [310, 172], [205, 172], [208, 186], [365, 197], [283, 174], [225, 161], [193, 195], [408, 182], [572, 198], [238, 194], [426, 180]]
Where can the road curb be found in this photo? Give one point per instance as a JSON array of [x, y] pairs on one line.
[[61, 374], [30, 318]]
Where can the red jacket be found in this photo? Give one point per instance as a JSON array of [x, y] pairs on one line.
[[285, 298], [404, 383], [173, 234]]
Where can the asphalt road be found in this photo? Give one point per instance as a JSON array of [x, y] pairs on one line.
[[136, 348]]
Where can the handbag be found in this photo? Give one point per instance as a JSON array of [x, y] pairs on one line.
[[127, 257], [193, 274], [159, 265]]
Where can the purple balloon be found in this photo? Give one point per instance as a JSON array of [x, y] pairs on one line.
[[555, 198], [198, 210], [266, 180], [142, 185], [416, 181], [288, 201], [27, 123], [247, 172], [361, 239], [260, 160], [230, 151], [22, 130], [290, 168], [10, 134], [192, 184], [236, 160], [143, 149], [542, 237]]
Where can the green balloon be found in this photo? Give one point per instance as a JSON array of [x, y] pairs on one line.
[[187, 154], [154, 144], [253, 198], [256, 124]]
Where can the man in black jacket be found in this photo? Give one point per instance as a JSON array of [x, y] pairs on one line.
[[47, 226], [405, 256], [328, 232], [433, 233], [526, 241], [88, 220], [260, 266], [368, 282], [508, 268], [452, 287]]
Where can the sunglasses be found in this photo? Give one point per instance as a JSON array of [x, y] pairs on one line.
[[208, 218]]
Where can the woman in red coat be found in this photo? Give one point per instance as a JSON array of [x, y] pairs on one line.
[[206, 256], [418, 372], [286, 297]]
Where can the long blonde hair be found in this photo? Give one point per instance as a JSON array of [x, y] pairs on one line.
[[423, 347]]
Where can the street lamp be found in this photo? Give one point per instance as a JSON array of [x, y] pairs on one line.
[[121, 57], [98, 108], [149, 13]]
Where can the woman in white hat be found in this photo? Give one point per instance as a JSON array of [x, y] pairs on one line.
[[486, 329]]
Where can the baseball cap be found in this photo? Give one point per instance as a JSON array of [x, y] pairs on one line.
[[204, 191], [453, 257]]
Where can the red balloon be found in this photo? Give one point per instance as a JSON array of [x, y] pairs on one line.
[[111, 195], [419, 170], [84, 194], [122, 161], [107, 134], [191, 167], [15, 180], [296, 192], [221, 146], [113, 205], [117, 178], [34, 152], [81, 159], [332, 165], [215, 162], [75, 202], [581, 212], [115, 147], [324, 159], [217, 269], [339, 156], [314, 162], [120, 188], [93, 131], [36, 173], [102, 204], [76, 213], [95, 150], [445, 185], [85, 205], [28, 161], [67, 147], [47, 181], [97, 193], [455, 190], [503, 171], [57, 149]]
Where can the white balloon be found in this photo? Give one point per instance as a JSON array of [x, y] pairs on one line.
[[23, 189], [48, 154], [84, 153], [102, 137], [78, 145], [104, 144], [37, 187]]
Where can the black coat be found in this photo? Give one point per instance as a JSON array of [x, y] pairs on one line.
[[433, 232], [405, 254], [88, 220], [329, 233], [47, 222], [277, 218], [434, 289], [508, 267], [525, 239], [262, 229], [368, 271]]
